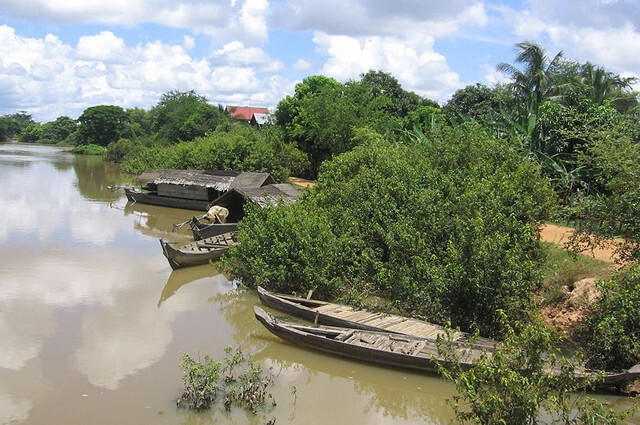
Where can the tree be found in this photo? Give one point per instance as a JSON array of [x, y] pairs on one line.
[[59, 130], [101, 125], [605, 86], [477, 102], [183, 116], [31, 133], [535, 81]]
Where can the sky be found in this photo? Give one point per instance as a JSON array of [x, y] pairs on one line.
[[59, 57]]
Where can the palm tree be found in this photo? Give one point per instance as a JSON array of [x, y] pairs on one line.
[[535, 81], [602, 85]]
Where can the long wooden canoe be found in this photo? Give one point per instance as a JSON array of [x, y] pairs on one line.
[[197, 252], [326, 313], [203, 230], [401, 351], [385, 348], [152, 198]]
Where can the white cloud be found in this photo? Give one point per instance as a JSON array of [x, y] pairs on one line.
[[302, 65], [105, 47], [48, 78], [412, 61]]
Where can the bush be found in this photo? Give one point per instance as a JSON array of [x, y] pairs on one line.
[[445, 226], [88, 150], [234, 147], [611, 334], [527, 380], [238, 380]]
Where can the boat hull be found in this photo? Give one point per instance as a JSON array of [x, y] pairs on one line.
[[165, 201], [202, 230], [198, 252]]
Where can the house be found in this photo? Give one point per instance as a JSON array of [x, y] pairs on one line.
[[256, 116]]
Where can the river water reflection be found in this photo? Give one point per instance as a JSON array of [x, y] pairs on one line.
[[93, 321]]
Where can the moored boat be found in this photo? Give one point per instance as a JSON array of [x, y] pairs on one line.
[[201, 229], [407, 351], [384, 348], [331, 314], [153, 198], [198, 252]]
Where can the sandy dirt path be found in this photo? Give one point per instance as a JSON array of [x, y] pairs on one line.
[[560, 235]]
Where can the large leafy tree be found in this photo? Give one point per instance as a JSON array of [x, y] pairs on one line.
[[183, 116], [323, 114], [101, 125], [59, 130], [477, 102]]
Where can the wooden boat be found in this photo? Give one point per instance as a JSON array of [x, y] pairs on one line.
[[401, 351], [198, 252], [201, 229], [152, 198], [326, 313], [385, 348]]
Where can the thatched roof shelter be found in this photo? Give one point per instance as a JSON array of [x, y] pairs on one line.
[[214, 179]]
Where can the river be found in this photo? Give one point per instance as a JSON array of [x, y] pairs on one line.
[[93, 321]]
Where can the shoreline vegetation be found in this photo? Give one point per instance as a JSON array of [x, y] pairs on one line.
[[435, 208]]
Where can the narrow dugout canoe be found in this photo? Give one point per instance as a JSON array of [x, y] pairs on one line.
[[384, 348], [326, 313], [403, 351], [197, 252]]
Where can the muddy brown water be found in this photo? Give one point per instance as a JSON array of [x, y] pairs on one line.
[[93, 321]]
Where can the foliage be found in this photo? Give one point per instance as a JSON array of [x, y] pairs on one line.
[[59, 130], [119, 150], [527, 380], [183, 116], [101, 125], [234, 147], [323, 114], [444, 226], [12, 125], [88, 150], [611, 334], [238, 380], [477, 102], [287, 249], [31, 133], [613, 212]]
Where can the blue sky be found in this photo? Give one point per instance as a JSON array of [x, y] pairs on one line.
[[58, 57]]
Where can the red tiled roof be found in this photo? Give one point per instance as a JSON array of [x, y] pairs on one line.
[[245, 112]]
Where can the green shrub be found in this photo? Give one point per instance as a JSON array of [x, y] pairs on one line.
[[88, 150], [611, 334], [238, 380], [527, 380], [444, 226]]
